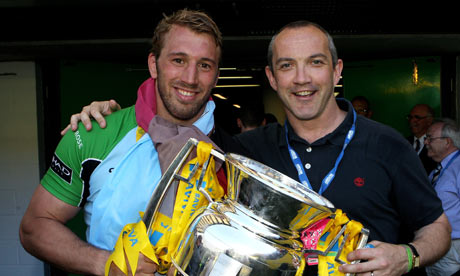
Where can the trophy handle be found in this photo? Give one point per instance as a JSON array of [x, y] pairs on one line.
[[166, 180], [361, 244]]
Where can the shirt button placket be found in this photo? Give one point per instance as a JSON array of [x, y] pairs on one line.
[[308, 165]]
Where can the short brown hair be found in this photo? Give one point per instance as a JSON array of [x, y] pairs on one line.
[[197, 21]]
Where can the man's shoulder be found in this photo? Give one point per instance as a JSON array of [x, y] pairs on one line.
[[98, 141], [371, 127], [267, 132], [124, 119], [381, 138]]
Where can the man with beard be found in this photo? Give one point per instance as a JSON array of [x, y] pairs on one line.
[[420, 118], [363, 167], [112, 173]]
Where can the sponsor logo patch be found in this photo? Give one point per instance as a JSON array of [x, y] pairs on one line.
[[61, 169]]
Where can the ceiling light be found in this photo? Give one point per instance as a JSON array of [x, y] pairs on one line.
[[228, 69], [220, 96], [237, 106], [415, 73]]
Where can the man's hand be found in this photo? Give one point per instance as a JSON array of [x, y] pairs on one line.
[[145, 267], [96, 110], [384, 259]]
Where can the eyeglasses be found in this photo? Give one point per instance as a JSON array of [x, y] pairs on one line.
[[361, 110], [430, 139], [417, 117]]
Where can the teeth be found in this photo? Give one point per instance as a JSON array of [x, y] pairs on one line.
[[304, 93], [185, 93]]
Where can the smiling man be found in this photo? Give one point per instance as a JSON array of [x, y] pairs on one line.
[[363, 167], [111, 174]]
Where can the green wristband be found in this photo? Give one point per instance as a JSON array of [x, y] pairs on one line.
[[410, 258]]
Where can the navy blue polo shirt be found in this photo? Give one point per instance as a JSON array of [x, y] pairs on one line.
[[380, 181]]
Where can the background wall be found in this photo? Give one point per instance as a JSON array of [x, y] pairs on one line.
[[19, 169], [82, 82], [388, 86]]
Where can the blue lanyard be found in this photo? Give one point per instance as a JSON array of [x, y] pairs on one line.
[[448, 164], [331, 175]]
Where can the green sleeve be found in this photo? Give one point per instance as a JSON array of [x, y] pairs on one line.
[[63, 176]]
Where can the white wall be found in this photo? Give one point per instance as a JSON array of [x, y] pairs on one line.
[[19, 169]]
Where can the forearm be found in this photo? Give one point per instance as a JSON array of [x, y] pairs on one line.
[[433, 240], [53, 242]]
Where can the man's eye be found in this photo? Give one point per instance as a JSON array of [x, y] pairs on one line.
[[317, 62], [285, 66], [178, 60], [205, 66]]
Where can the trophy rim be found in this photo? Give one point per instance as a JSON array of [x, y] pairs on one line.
[[288, 186]]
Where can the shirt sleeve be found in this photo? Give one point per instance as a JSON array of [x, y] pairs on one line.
[[414, 196], [448, 190], [63, 176]]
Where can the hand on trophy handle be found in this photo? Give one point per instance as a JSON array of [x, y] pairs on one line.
[[145, 267], [384, 259]]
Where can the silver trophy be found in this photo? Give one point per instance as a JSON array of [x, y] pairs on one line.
[[255, 230]]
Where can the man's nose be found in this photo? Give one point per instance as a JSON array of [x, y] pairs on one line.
[[190, 74], [302, 75]]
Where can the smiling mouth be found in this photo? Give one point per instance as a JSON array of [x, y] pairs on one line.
[[304, 93], [185, 92]]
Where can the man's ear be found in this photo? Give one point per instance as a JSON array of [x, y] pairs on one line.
[[271, 78], [239, 123], [338, 71], [217, 77], [152, 63]]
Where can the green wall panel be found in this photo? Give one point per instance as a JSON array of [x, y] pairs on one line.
[[83, 82], [389, 87]]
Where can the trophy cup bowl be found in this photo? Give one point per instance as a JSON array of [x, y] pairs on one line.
[[255, 231]]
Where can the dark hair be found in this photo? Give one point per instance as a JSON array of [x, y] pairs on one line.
[[197, 21], [361, 98], [301, 24]]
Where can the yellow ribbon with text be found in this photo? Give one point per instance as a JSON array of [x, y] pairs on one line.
[[165, 233]]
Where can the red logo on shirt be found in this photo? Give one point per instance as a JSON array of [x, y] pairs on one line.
[[359, 181]]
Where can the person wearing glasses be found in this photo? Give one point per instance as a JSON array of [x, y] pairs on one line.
[[420, 118], [443, 144], [362, 106]]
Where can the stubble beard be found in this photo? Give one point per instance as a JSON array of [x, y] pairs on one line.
[[177, 110]]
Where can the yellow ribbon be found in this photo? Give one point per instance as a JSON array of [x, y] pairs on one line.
[[139, 133], [166, 232], [301, 268], [132, 241], [327, 264]]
